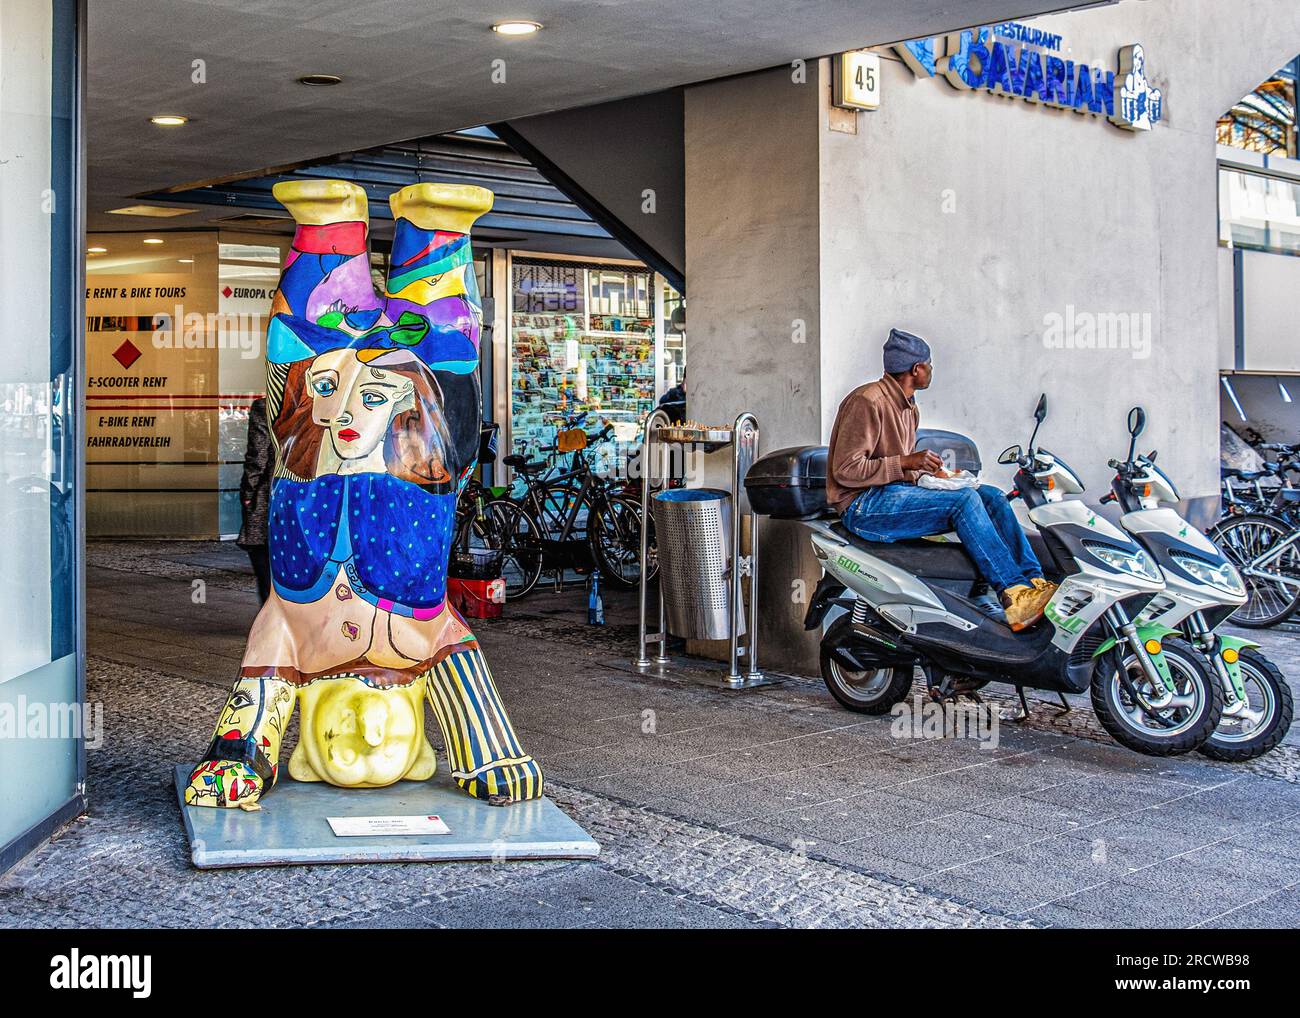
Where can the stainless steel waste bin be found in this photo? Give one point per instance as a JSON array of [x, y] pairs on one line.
[[693, 537]]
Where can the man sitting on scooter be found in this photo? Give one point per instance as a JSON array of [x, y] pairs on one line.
[[873, 467]]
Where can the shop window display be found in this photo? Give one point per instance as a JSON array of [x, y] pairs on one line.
[[582, 339]]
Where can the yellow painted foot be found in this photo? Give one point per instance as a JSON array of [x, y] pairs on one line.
[[504, 782], [449, 207], [322, 202], [223, 783]]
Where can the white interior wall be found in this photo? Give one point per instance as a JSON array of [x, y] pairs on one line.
[[26, 61]]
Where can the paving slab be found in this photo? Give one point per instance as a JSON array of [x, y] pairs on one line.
[[772, 806]]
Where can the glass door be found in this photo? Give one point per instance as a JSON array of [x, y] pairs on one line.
[[42, 721], [583, 340]]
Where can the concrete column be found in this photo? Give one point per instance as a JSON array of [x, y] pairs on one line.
[[752, 265]]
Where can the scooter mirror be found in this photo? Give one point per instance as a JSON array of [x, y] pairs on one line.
[[1137, 421], [1011, 454], [1040, 411]]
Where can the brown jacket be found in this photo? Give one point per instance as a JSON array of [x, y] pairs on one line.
[[875, 427]]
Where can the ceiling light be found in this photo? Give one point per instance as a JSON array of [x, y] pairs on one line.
[[516, 27], [169, 120], [152, 240], [96, 250], [186, 261], [319, 79], [1232, 395], [153, 211]]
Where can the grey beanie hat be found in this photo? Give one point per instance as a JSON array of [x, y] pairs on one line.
[[903, 351]]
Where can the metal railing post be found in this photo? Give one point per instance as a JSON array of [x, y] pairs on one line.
[[653, 422], [744, 446]]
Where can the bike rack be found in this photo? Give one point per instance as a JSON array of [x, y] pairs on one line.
[[744, 441]]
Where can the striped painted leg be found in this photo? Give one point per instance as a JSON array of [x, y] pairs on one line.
[[483, 751]]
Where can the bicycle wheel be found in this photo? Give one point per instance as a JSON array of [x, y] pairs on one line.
[[614, 532], [1243, 540], [513, 531]]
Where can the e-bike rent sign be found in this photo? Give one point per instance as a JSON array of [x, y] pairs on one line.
[[1015, 60]]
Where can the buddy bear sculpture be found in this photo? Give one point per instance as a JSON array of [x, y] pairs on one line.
[[374, 407]]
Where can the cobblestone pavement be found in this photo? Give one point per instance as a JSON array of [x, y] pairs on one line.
[[769, 807]]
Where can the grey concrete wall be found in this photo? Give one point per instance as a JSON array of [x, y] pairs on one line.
[[1048, 210], [969, 218], [1270, 283], [752, 265]]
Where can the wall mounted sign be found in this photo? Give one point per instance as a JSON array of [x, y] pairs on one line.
[[856, 80], [1019, 61]]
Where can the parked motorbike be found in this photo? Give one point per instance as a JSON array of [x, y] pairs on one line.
[[910, 603], [1202, 589]]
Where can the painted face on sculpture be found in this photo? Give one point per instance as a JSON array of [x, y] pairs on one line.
[[356, 403]]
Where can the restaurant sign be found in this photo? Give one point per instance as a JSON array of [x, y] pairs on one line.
[[1015, 60]]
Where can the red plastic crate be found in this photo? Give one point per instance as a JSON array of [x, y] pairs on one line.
[[477, 599]]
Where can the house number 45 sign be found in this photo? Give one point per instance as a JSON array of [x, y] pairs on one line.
[[856, 78]]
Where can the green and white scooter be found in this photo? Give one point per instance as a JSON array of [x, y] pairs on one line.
[[1202, 588]]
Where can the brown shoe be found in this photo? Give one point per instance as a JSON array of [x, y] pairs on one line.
[[1024, 604]]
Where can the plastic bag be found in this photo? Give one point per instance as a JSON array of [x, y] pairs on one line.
[[951, 482]]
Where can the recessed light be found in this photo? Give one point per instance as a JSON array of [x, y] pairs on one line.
[[516, 27], [152, 240], [152, 211], [319, 79], [186, 261], [169, 120], [96, 250]]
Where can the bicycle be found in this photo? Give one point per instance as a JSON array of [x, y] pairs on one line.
[[1239, 499], [572, 519], [1263, 542]]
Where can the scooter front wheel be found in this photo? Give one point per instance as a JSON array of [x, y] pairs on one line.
[[869, 691], [1152, 722], [1262, 720]]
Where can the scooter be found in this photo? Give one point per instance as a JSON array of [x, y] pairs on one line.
[[1202, 588], [909, 603]]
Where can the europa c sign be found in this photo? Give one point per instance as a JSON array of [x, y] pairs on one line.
[[1021, 62]]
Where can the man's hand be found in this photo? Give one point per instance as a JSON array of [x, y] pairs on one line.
[[927, 462]]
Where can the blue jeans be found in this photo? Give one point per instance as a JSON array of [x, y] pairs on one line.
[[982, 517]]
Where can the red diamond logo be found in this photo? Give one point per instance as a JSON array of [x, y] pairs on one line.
[[126, 354], [227, 292]]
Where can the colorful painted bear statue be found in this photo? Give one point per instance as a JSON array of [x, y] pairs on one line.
[[375, 408]]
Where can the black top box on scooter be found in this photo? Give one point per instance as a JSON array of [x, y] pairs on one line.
[[789, 484]]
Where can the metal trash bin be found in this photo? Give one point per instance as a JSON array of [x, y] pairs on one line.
[[693, 538]]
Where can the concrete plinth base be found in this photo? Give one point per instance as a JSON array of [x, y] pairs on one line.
[[291, 827]]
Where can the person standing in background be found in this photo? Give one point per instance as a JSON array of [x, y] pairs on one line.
[[255, 497], [673, 402]]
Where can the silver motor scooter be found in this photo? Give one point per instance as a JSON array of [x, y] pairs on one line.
[[1202, 589], [910, 604]]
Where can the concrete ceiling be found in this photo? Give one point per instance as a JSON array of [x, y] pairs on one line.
[[413, 68]]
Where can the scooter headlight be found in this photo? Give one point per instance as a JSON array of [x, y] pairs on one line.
[[1135, 562], [1222, 575]]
